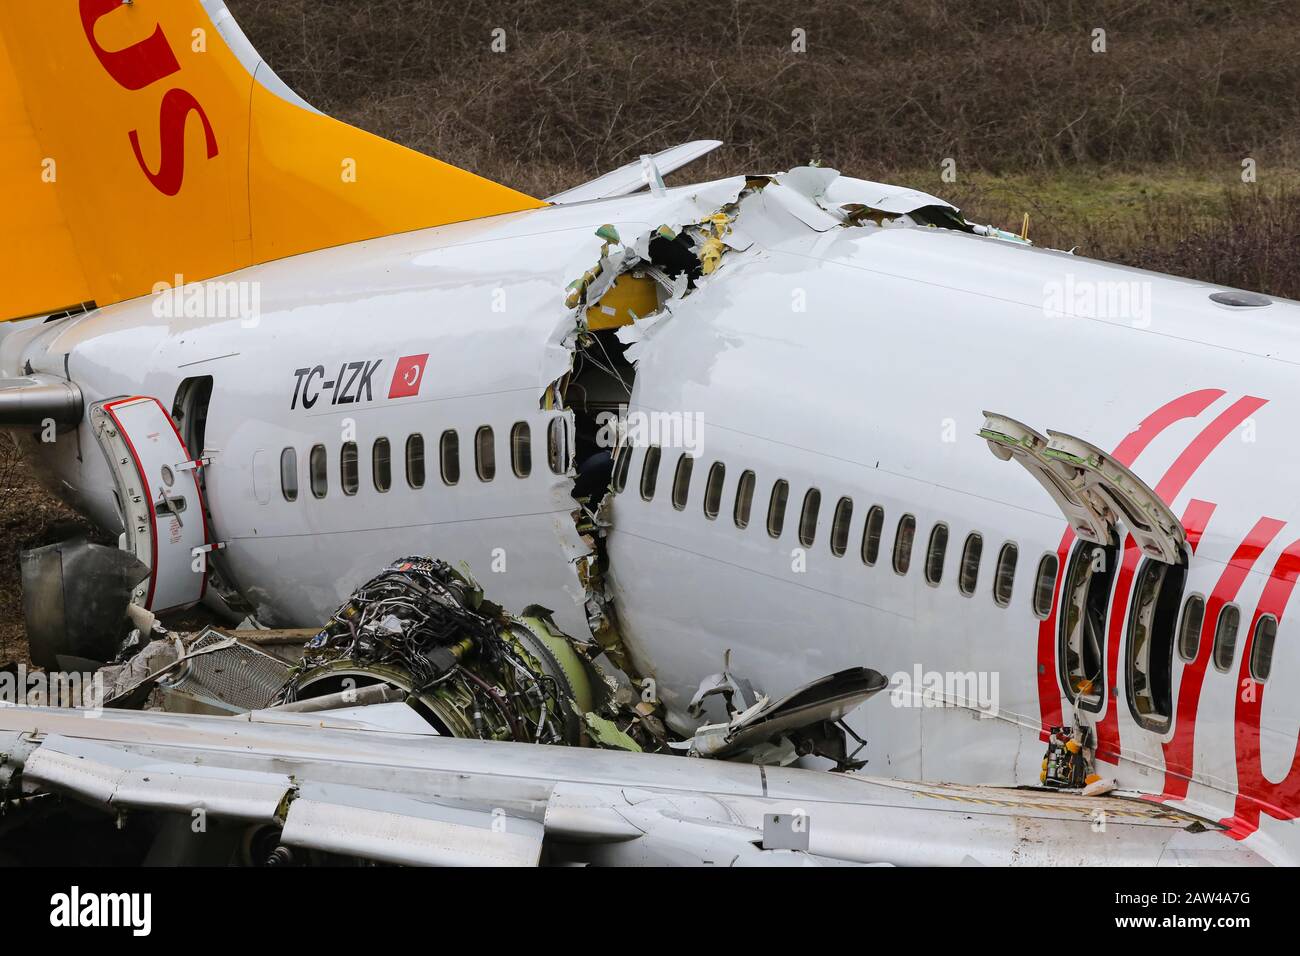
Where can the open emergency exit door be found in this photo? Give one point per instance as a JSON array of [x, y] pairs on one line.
[[160, 500], [1097, 494], [1093, 490]]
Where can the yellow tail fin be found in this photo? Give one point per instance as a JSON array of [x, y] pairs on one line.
[[144, 140]]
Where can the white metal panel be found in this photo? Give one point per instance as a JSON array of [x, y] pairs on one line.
[[164, 469], [113, 777], [632, 177], [369, 794], [393, 828], [838, 359]]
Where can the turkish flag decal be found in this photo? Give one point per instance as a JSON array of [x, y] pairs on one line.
[[409, 376]]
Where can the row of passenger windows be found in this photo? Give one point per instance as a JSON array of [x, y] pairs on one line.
[[1081, 668], [1161, 623], [1083, 622], [778, 503], [1226, 629], [381, 460]]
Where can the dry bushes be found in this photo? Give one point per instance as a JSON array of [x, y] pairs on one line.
[[1253, 244], [883, 85], [884, 89]]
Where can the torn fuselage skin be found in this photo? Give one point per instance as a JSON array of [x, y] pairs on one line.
[[288, 557], [642, 280], [634, 282]]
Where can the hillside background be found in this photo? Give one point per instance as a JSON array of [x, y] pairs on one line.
[[1133, 155]]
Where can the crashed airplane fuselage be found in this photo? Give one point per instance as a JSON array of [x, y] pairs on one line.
[[797, 367]]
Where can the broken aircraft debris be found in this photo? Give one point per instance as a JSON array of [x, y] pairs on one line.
[[354, 755], [281, 787], [470, 668], [357, 754]]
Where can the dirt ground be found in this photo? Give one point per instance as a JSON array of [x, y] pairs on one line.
[[29, 516]]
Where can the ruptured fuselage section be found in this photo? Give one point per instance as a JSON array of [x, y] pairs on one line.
[[738, 416]]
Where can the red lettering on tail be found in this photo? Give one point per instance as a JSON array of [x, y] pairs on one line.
[[136, 66], [176, 108]]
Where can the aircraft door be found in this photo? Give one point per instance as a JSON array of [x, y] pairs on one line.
[[1094, 491], [1102, 499], [159, 497]]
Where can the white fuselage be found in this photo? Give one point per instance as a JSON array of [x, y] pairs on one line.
[[857, 361]]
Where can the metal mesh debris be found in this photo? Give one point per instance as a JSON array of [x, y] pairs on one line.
[[220, 673], [208, 673]]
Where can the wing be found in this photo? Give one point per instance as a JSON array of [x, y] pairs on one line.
[[353, 787]]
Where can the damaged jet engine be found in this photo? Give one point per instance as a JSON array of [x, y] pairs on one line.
[[469, 668]]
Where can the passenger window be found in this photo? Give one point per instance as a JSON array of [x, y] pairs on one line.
[[381, 464], [903, 543], [1004, 577], [1261, 648], [682, 482], [650, 472], [521, 450], [557, 446], [1045, 585], [840, 527], [713, 490], [289, 474], [969, 575], [1085, 601], [744, 499], [1225, 637], [485, 453], [349, 468], [449, 456], [621, 469], [935, 554], [1153, 621], [871, 535], [776, 507], [1189, 629], [812, 505], [415, 461], [319, 467]]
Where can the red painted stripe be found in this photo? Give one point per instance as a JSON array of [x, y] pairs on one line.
[[1255, 792], [1194, 520], [1168, 489], [1192, 459], [1107, 726], [1126, 452], [1180, 749], [111, 409]]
